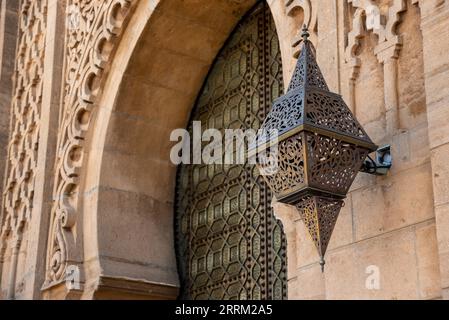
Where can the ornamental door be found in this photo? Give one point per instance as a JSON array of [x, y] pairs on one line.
[[228, 243]]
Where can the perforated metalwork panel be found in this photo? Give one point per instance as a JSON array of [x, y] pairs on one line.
[[229, 245]]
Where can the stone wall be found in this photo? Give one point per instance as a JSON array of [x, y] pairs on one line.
[[389, 224], [435, 22], [98, 195]]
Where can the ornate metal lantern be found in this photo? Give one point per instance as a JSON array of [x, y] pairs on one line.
[[321, 148]]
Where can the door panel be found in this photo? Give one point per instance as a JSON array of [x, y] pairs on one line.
[[229, 245]]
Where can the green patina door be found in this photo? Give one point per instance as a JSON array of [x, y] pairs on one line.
[[229, 245]]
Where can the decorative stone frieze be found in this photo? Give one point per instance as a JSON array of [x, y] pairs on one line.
[[368, 17], [92, 31]]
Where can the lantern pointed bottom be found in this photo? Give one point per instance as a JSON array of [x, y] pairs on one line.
[[322, 263], [319, 214]]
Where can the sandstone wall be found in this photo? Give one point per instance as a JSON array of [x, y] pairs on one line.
[[389, 224]]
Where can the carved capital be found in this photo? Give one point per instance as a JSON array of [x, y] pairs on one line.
[[388, 49]]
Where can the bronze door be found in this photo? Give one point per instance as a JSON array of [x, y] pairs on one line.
[[228, 243]]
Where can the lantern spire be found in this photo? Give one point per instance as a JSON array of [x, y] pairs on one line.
[[307, 72]]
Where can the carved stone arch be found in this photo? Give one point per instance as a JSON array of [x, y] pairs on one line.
[[124, 179]]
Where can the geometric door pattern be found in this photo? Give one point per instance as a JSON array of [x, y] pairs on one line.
[[228, 243]]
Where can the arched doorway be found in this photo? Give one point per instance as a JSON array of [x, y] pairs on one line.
[[229, 245]]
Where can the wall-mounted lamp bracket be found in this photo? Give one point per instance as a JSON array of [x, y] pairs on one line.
[[381, 165]]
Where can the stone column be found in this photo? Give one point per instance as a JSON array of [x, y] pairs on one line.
[[13, 266], [39, 222], [435, 29], [352, 82], [387, 53], [328, 53], [8, 39]]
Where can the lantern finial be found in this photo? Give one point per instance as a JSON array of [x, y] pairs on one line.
[[305, 33]]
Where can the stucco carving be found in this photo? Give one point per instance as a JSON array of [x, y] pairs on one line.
[[368, 17], [90, 41], [375, 22], [310, 19], [24, 137], [354, 39]]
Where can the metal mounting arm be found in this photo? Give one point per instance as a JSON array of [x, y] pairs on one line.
[[381, 165]]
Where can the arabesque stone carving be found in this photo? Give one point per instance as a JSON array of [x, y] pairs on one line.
[[368, 17], [90, 40]]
